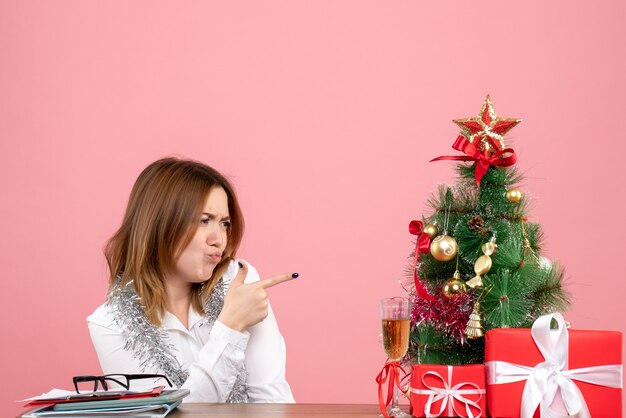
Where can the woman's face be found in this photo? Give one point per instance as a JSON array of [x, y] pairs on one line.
[[204, 252]]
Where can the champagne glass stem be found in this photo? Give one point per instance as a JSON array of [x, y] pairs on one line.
[[395, 410], [395, 398]]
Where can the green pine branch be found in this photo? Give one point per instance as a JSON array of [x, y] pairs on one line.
[[505, 302], [429, 346]]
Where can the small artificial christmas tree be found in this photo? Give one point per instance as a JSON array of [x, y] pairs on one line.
[[477, 262]]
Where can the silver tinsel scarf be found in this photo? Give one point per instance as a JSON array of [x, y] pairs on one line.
[[147, 342]]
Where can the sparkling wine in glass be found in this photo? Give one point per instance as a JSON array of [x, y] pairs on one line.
[[396, 338], [396, 321]]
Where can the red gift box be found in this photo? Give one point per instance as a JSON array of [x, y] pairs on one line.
[[448, 391], [564, 371]]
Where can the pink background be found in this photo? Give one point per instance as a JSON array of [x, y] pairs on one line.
[[325, 115]]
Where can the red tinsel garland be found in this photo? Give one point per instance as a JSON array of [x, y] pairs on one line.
[[448, 315]]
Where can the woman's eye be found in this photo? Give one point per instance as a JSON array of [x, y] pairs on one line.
[[224, 224]]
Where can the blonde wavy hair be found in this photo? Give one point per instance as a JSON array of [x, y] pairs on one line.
[[163, 212]]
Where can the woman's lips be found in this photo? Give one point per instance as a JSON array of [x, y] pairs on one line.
[[216, 258]]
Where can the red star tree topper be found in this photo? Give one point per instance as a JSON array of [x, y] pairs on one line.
[[486, 131]]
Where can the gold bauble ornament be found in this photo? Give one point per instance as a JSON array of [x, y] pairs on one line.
[[454, 286], [482, 265], [513, 195], [443, 248], [431, 230]]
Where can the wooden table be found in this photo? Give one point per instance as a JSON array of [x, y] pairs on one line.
[[273, 410]]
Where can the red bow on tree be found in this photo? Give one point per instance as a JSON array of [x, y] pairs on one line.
[[421, 246], [483, 159]]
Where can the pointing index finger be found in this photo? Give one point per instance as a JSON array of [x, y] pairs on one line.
[[274, 280]]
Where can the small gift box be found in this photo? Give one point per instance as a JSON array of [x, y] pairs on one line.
[[447, 391], [547, 372]]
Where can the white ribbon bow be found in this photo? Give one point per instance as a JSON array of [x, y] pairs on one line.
[[547, 379], [448, 394]]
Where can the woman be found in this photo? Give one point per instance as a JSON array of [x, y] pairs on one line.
[[179, 304]]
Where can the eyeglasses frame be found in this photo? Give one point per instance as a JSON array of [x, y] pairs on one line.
[[114, 378]]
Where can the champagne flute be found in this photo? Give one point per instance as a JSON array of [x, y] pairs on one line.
[[396, 321]]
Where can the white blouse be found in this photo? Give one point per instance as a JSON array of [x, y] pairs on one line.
[[212, 355]]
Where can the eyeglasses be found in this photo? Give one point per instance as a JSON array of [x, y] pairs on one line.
[[121, 379]]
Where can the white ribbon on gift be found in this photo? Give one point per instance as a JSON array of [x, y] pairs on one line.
[[547, 379], [448, 394]]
